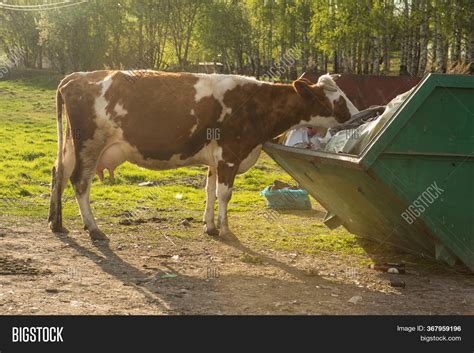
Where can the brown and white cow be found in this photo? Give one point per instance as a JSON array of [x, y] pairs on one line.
[[162, 120]]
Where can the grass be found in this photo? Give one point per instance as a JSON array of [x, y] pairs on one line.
[[27, 153]]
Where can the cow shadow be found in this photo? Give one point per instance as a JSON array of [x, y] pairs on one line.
[[304, 276], [184, 294], [144, 283]]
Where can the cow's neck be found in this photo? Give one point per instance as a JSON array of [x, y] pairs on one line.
[[288, 109]]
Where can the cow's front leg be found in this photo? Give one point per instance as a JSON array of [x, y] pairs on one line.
[[211, 185], [225, 176]]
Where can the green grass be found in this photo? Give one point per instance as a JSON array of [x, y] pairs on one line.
[[28, 149]]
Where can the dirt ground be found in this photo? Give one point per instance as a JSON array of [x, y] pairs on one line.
[[44, 273]]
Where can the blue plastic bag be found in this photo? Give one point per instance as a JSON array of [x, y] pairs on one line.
[[287, 199]]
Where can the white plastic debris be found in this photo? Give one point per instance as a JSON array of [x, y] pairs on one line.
[[147, 183], [355, 299]]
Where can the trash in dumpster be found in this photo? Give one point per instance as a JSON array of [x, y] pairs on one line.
[[360, 118], [389, 267], [352, 136], [356, 141], [305, 137], [283, 196]]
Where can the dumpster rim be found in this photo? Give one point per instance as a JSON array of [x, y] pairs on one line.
[[339, 157]]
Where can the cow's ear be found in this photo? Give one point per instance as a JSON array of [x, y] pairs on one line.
[[303, 88]]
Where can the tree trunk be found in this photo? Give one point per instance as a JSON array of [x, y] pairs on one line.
[[386, 55], [270, 36], [335, 65], [415, 37], [283, 28], [410, 52], [340, 60], [424, 37], [354, 57], [375, 57], [366, 56], [293, 74], [40, 57], [359, 57], [405, 54], [457, 46], [470, 37], [441, 46], [140, 37], [470, 49]]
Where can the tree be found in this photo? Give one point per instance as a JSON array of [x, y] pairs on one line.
[[248, 36], [183, 14]]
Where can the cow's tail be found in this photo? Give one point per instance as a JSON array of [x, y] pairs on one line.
[[59, 122], [55, 207]]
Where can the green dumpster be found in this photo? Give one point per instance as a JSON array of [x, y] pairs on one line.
[[412, 184]]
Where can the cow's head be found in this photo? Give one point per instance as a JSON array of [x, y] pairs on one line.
[[328, 106]]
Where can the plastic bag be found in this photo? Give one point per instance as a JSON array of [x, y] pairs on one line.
[[287, 199]]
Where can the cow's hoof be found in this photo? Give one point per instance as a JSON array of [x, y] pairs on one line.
[[227, 235], [56, 227], [211, 231], [98, 235]]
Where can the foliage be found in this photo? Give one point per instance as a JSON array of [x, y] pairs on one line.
[[248, 36]]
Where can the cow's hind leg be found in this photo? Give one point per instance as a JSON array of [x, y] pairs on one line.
[[225, 176], [55, 220], [60, 175], [211, 185], [82, 185]]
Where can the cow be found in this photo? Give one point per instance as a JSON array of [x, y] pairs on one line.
[[163, 120]]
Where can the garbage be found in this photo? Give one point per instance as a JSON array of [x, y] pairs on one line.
[[360, 118], [286, 197], [175, 258], [129, 222], [185, 223], [350, 137], [169, 275], [389, 267], [148, 183], [279, 185], [354, 139], [355, 299], [397, 283], [250, 259], [305, 137]]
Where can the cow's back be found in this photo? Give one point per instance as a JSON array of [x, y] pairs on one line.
[[161, 116]]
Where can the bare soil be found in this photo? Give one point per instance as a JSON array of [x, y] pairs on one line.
[[46, 273]]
